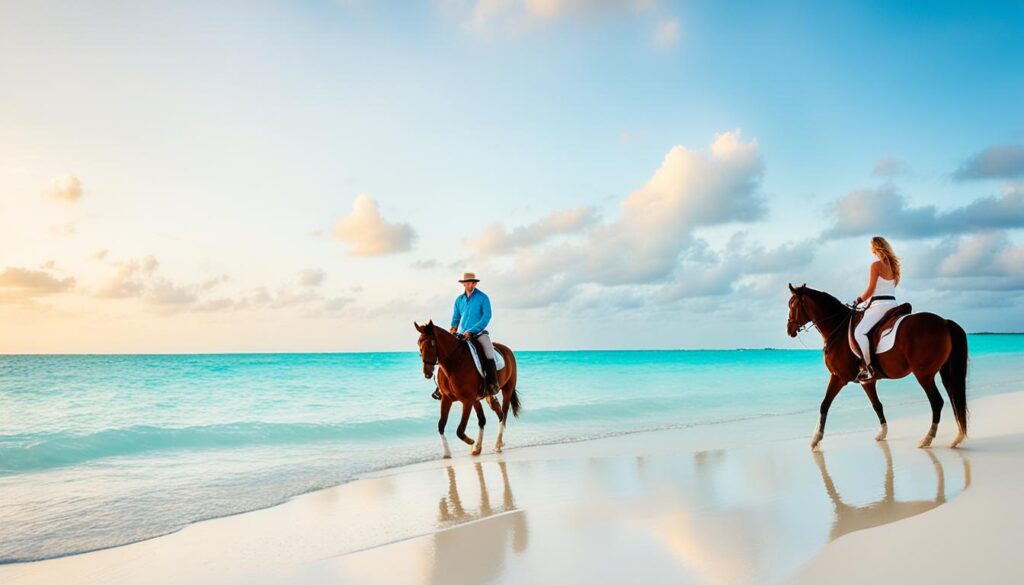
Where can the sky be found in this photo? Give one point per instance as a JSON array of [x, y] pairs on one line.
[[621, 174]]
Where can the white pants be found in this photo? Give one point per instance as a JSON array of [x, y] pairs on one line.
[[872, 315], [485, 342]]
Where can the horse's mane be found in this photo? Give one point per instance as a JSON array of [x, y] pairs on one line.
[[434, 327], [824, 300]]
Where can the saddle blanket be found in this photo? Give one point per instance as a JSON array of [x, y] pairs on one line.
[[886, 340], [499, 360]]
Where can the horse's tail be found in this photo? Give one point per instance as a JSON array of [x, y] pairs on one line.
[[510, 362], [954, 374], [515, 403]]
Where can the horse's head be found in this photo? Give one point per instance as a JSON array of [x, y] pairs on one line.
[[428, 348], [798, 316]]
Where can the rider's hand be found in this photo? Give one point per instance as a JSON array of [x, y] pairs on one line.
[[453, 330], [467, 335], [858, 301]]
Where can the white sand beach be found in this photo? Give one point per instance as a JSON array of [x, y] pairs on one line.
[[743, 502]]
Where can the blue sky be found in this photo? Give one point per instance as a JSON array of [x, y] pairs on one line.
[[274, 176]]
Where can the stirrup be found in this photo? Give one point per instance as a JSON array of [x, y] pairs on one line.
[[437, 394], [866, 374]]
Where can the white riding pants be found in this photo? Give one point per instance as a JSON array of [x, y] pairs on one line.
[[485, 342], [872, 315]]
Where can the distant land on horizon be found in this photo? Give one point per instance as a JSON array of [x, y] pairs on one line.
[[997, 333]]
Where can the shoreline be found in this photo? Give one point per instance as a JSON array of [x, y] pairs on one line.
[[400, 517], [551, 446]]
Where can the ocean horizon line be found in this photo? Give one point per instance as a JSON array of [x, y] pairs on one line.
[[396, 351]]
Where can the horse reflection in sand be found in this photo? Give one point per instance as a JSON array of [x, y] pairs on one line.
[[851, 518], [476, 553]]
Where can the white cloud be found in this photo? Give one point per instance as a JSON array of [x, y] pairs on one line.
[[651, 242], [888, 167], [983, 261], [21, 284], [130, 280], [68, 188], [1001, 161], [666, 33], [886, 211], [164, 292], [497, 239], [312, 277], [140, 279], [338, 303], [369, 234]]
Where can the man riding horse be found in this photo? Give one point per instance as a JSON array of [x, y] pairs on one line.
[[470, 316]]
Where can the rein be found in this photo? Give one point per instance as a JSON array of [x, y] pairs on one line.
[[831, 336], [438, 358]]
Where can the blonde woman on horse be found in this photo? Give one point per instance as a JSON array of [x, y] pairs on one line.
[[877, 299]]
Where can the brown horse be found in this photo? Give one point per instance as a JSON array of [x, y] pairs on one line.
[[459, 381], [926, 344]]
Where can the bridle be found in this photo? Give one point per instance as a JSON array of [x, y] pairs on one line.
[[831, 336], [433, 343], [437, 352]]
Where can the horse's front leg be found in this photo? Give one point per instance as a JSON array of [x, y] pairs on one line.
[[467, 407], [872, 392], [835, 384], [481, 420], [446, 406]]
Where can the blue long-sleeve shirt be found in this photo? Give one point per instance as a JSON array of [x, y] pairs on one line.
[[472, 313]]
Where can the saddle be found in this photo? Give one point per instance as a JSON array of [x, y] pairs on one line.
[[887, 322], [479, 358]]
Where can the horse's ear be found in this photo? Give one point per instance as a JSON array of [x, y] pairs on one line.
[[417, 326], [430, 323], [804, 285], [791, 289]]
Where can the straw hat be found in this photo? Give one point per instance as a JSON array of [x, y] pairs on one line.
[[469, 277]]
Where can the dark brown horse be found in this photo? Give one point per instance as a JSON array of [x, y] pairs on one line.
[[926, 344], [458, 380]]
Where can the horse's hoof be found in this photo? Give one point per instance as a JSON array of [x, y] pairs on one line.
[[956, 442], [925, 442], [882, 434], [476, 451], [446, 456], [816, 440]]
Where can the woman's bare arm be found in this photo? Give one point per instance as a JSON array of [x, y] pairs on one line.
[[872, 278]]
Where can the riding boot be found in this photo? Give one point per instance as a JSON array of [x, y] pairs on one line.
[[866, 374], [491, 377], [437, 393]]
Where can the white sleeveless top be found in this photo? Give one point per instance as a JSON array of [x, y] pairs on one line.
[[884, 286]]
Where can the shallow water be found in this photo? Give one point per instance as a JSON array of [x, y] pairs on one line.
[[730, 517], [97, 451]]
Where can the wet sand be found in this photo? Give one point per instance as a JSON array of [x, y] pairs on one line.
[[701, 505]]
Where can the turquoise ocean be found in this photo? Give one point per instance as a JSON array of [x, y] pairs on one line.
[[99, 451]]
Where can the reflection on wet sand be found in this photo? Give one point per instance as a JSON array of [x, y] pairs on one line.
[[721, 517], [714, 542], [476, 552], [723, 523], [888, 509]]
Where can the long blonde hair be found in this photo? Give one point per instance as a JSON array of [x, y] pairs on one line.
[[880, 245]]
